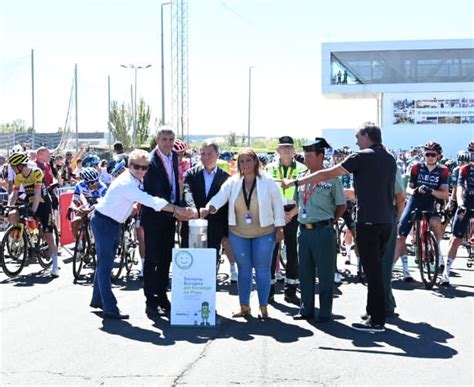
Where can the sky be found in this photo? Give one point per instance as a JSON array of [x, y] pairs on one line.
[[280, 40]]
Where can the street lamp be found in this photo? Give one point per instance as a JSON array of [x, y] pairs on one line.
[[250, 94], [135, 68], [163, 68]]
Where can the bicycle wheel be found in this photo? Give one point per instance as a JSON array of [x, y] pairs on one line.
[[42, 249], [131, 248], [429, 262], [14, 251], [119, 259], [81, 252]]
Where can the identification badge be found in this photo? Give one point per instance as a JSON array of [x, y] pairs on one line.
[[248, 218], [303, 214]]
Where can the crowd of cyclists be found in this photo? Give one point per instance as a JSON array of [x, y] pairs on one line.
[[442, 186]]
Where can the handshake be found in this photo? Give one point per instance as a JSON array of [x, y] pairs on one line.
[[187, 213]]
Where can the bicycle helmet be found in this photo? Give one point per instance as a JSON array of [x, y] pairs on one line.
[[16, 149], [119, 167], [90, 160], [17, 159], [463, 156], [451, 164], [263, 159], [179, 146], [470, 147], [90, 175], [434, 146]]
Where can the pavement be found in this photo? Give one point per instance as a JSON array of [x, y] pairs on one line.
[[50, 336]]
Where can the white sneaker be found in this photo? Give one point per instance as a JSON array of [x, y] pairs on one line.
[[445, 279], [407, 276], [337, 277]]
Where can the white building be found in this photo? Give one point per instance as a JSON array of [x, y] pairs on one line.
[[425, 89]]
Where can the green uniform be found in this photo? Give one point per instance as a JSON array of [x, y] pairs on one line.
[[317, 247]]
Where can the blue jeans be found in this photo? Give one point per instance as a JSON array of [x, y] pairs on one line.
[[253, 253], [107, 234]]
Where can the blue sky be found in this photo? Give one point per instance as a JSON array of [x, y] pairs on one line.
[[281, 39]]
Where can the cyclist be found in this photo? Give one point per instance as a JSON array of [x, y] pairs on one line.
[[463, 158], [86, 194], [465, 211], [428, 182], [31, 178]]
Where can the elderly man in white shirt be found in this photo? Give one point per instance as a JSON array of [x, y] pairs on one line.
[[110, 214]]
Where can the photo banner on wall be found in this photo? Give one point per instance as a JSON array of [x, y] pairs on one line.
[[439, 110]]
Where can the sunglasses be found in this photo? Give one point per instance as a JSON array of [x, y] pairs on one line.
[[93, 182], [136, 167], [431, 155]]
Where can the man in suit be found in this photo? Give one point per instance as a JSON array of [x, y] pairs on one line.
[[161, 180], [201, 183]]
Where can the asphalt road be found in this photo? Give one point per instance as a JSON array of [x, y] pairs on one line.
[[49, 335]]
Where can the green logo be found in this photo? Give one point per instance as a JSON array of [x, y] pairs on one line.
[[184, 260]]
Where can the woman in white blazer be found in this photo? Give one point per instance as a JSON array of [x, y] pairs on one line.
[[256, 221]]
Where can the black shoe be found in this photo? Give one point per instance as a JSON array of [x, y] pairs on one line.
[[292, 299], [115, 315], [445, 284], [365, 316], [369, 326], [300, 316], [152, 311], [97, 306]]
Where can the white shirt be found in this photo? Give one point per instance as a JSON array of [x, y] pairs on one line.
[[124, 191], [208, 179], [270, 203]]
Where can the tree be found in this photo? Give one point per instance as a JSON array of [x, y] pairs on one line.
[[231, 139], [143, 120], [16, 126], [120, 123]]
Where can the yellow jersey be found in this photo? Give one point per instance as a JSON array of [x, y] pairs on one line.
[[30, 183]]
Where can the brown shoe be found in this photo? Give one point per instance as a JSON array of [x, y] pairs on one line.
[[263, 315], [243, 312]]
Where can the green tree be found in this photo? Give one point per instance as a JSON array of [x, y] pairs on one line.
[[143, 120], [16, 126], [231, 139], [121, 123]]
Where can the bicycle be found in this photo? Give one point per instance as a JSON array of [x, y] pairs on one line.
[[126, 254], [426, 248], [84, 249], [23, 241]]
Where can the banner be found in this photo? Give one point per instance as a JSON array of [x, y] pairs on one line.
[[433, 111], [193, 288], [65, 225]]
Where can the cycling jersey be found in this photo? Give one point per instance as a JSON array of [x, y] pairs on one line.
[[30, 183], [454, 176], [347, 181], [466, 180], [91, 195], [437, 179]]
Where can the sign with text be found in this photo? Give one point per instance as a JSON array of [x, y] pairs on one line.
[[193, 288]]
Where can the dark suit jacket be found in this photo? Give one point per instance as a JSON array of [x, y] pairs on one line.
[[195, 197], [156, 183]]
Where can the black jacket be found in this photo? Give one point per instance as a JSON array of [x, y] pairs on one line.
[[156, 183]]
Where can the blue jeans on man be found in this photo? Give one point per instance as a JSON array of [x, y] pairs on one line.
[[107, 235]]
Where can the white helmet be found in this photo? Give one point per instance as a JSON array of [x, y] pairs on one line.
[[16, 149]]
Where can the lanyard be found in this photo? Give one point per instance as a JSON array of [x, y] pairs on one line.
[[289, 175], [249, 198], [309, 193]]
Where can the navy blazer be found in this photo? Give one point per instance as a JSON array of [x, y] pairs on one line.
[[156, 183]]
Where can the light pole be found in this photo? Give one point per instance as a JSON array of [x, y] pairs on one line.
[[163, 68], [134, 108], [250, 94]]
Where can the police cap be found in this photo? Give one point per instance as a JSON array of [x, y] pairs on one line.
[[285, 140], [318, 144]]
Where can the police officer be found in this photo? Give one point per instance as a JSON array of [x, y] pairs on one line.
[[286, 167], [320, 205]]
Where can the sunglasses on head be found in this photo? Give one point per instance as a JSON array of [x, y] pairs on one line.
[[136, 167], [429, 154]]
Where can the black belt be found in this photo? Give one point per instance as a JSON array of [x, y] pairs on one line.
[[100, 215], [312, 226]]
